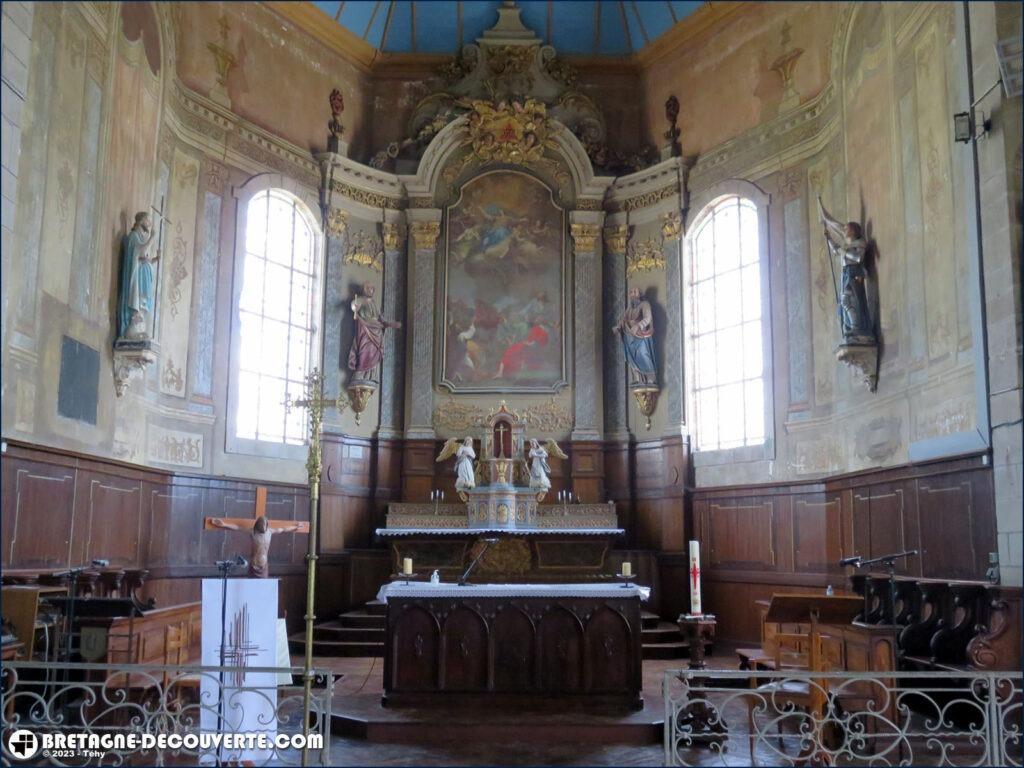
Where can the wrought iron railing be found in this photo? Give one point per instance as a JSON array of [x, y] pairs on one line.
[[185, 705], [842, 718]]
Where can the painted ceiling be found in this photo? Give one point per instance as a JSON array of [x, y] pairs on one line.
[[585, 27]]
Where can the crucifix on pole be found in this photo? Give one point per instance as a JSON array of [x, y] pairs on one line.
[[313, 401]]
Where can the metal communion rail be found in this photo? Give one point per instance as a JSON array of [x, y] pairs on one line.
[[129, 708], [842, 718]]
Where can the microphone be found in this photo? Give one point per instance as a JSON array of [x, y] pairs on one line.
[[241, 562], [855, 560], [487, 542], [100, 562]]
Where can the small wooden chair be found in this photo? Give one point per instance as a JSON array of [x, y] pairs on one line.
[[176, 653]]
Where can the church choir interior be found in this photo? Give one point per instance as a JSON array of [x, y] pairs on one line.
[[524, 383]]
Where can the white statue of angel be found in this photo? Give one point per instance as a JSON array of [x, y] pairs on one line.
[[539, 467], [464, 454]]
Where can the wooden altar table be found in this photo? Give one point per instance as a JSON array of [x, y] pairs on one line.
[[518, 644]]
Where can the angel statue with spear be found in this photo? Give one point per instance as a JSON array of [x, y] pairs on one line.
[[847, 243], [464, 454], [539, 467]]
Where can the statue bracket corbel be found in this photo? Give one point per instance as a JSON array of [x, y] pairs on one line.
[[130, 360], [862, 356]]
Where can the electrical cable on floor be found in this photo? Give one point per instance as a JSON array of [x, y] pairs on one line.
[[367, 678]]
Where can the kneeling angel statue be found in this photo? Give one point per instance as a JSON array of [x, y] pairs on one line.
[[465, 477]]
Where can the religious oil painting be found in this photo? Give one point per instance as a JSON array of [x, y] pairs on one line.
[[503, 287]]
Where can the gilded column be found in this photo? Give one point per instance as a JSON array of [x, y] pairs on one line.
[[392, 376], [424, 228], [614, 298], [672, 390], [586, 236]]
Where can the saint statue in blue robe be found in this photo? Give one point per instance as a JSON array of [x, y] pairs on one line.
[[637, 330], [136, 301]]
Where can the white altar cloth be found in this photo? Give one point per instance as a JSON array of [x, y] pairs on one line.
[[448, 589]]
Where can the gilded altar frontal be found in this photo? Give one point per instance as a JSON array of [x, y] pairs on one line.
[[489, 382]]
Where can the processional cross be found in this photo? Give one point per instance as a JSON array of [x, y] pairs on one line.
[[315, 402]]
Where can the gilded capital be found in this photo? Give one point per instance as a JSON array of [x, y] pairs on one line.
[[424, 234], [615, 239], [672, 225], [337, 222], [392, 236], [584, 237]]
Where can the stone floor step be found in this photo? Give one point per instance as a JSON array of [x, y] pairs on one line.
[[335, 631], [377, 608], [663, 633], [674, 650], [337, 648], [649, 620], [362, 619]]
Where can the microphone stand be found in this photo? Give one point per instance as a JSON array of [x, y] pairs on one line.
[[469, 570], [889, 561], [224, 566]]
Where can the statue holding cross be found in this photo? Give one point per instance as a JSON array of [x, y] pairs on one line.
[[262, 531]]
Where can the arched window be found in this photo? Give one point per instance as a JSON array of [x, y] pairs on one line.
[[727, 340], [275, 318]]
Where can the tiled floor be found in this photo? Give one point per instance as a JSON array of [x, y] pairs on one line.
[[363, 677]]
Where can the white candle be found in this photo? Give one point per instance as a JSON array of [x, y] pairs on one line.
[[407, 566], [695, 606], [627, 569]]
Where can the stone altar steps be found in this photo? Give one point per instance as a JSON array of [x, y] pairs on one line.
[[661, 639], [354, 633], [362, 716]]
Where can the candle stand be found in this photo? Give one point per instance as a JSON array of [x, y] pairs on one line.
[[706, 723]]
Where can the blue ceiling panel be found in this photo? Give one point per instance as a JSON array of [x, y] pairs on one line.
[[356, 17], [614, 40], [572, 27], [585, 27], [398, 36], [377, 24], [436, 26], [330, 7], [656, 17]]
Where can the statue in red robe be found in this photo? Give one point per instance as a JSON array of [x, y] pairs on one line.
[[368, 342]]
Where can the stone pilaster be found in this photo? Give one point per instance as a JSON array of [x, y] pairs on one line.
[[673, 393], [616, 405], [424, 228], [585, 227], [392, 377]]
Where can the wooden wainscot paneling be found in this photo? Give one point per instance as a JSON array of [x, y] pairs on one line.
[[418, 469], [38, 512], [587, 470], [956, 530], [741, 534], [777, 537], [816, 547], [64, 509]]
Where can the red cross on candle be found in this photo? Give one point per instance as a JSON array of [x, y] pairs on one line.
[[694, 572]]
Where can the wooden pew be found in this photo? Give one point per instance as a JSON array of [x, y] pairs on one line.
[[143, 639]]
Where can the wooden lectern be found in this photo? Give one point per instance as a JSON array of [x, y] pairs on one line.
[[813, 611]]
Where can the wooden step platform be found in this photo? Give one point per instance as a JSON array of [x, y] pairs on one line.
[[362, 716]]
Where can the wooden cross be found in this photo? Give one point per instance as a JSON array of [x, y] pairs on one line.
[[245, 524]]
